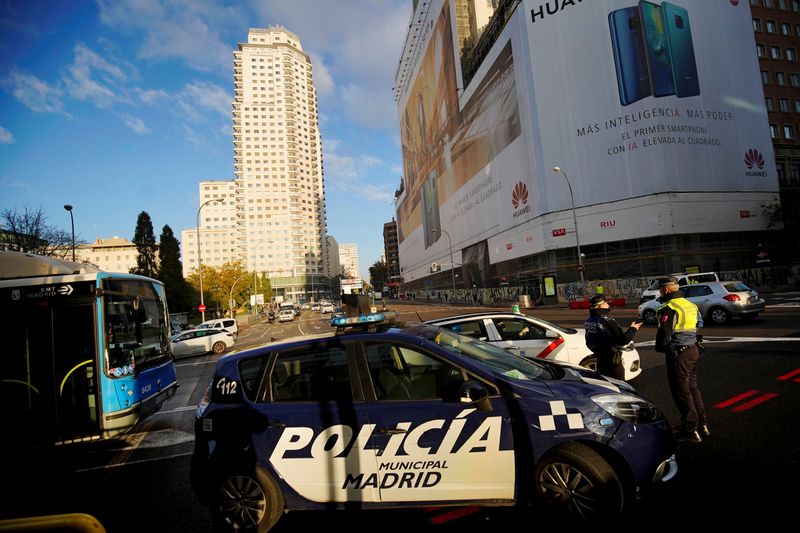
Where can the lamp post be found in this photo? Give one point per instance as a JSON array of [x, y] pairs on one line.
[[200, 258], [68, 207], [230, 294], [452, 265], [558, 170]]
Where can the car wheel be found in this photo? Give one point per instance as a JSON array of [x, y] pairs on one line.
[[218, 347], [590, 363], [576, 480], [649, 316], [718, 315], [247, 502]]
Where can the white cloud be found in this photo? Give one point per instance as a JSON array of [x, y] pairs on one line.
[[377, 194], [323, 80], [196, 98], [150, 96], [34, 93], [177, 29], [340, 170], [93, 78], [369, 161], [5, 136], [136, 124]]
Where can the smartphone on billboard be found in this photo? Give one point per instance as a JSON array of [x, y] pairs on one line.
[[430, 208], [627, 42], [659, 62], [679, 36]]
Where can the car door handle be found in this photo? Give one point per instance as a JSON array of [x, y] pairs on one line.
[[392, 431], [512, 347]]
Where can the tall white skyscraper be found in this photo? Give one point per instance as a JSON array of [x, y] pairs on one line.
[[277, 216], [348, 257]]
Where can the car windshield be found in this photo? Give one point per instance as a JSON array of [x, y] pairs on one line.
[[497, 359]]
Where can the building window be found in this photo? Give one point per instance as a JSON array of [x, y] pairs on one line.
[[784, 105], [773, 131], [771, 26], [797, 106], [765, 77], [796, 6], [790, 54], [760, 50], [775, 52], [768, 3], [795, 80], [788, 132], [780, 168], [770, 103], [756, 24], [780, 79], [782, 5], [786, 28], [794, 171]]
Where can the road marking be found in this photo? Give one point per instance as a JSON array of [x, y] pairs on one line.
[[128, 463], [711, 340], [790, 375], [747, 405]]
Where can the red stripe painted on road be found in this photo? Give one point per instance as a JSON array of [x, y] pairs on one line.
[[752, 403], [735, 399], [550, 347], [790, 375], [452, 515]]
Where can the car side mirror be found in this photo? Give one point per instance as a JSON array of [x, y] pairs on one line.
[[475, 393], [550, 334]]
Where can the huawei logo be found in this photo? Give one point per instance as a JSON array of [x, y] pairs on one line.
[[519, 195], [753, 158]]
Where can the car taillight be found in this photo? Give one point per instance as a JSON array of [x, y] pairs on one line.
[[732, 298], [204, 401]]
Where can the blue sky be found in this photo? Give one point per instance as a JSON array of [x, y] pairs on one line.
[[123, 106]]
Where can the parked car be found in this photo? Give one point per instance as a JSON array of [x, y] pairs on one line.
[[286, 315], [228, 324], [534, 338], [326, 308], [416, 416], [651, 292], [337, 312], [718, 302], [201, 341]]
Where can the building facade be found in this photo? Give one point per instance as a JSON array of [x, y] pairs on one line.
[[543, 142], [348, 257], [116, 254], [273, 216], [392, 254]]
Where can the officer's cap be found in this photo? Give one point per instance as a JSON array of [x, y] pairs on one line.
[[597, 300], [666, 282]]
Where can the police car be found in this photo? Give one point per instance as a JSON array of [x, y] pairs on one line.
[[417, 415]]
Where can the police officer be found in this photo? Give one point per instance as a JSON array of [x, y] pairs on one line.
[[677, 338], [605, 338]]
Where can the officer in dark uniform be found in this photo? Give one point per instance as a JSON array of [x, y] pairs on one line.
[[605, 338], [677, 338]]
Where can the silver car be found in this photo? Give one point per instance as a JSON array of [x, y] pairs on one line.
[[718, 302]]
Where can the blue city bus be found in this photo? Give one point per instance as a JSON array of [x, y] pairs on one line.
[[86, 353]]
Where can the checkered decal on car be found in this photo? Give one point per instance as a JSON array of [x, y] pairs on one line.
[[557, 408]]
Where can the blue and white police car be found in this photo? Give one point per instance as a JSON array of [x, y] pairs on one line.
[[418, 415]]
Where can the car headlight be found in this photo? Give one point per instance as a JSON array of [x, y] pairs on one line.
[[628, 407]]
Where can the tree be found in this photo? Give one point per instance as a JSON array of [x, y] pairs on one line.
[[145, 242], [378, 274], [28, 231], [217, 284], [180, 295]]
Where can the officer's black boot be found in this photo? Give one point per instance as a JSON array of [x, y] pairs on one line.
[[702, 429], [688, 435]]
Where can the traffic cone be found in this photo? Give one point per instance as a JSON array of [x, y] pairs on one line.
[[515, 309]]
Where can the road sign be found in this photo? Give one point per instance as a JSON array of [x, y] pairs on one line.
[[201, 308]]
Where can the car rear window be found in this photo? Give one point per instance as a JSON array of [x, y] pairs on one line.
[[736, 286]]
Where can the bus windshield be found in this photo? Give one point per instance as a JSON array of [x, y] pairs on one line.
[[137, 332]]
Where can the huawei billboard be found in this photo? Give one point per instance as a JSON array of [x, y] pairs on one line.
[[655, 111]]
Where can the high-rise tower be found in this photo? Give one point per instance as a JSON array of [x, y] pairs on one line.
[[280, 192]]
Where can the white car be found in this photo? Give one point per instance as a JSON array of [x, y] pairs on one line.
[[326, 308], [201, 341], [228, 324], [534, 338], [287, 315]]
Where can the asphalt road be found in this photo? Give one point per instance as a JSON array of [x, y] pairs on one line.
[[744, 473]]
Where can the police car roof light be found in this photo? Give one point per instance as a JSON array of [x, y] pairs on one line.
[[365, 320]]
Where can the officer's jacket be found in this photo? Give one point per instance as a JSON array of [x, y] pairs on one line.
[[604, 336], [678, 320]]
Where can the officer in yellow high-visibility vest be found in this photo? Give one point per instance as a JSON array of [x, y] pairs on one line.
[[677, 337]]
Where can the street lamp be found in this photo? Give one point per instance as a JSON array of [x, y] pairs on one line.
[[575, 221], [200, 259], [230, 294], [72, 220], [452, 265]]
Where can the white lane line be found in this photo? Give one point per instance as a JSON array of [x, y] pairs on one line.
[[128, 463], [711, 340], [176, 410]]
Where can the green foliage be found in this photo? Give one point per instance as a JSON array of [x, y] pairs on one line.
[[229, 280], [145, 242], [378, 274], [180, 295]]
